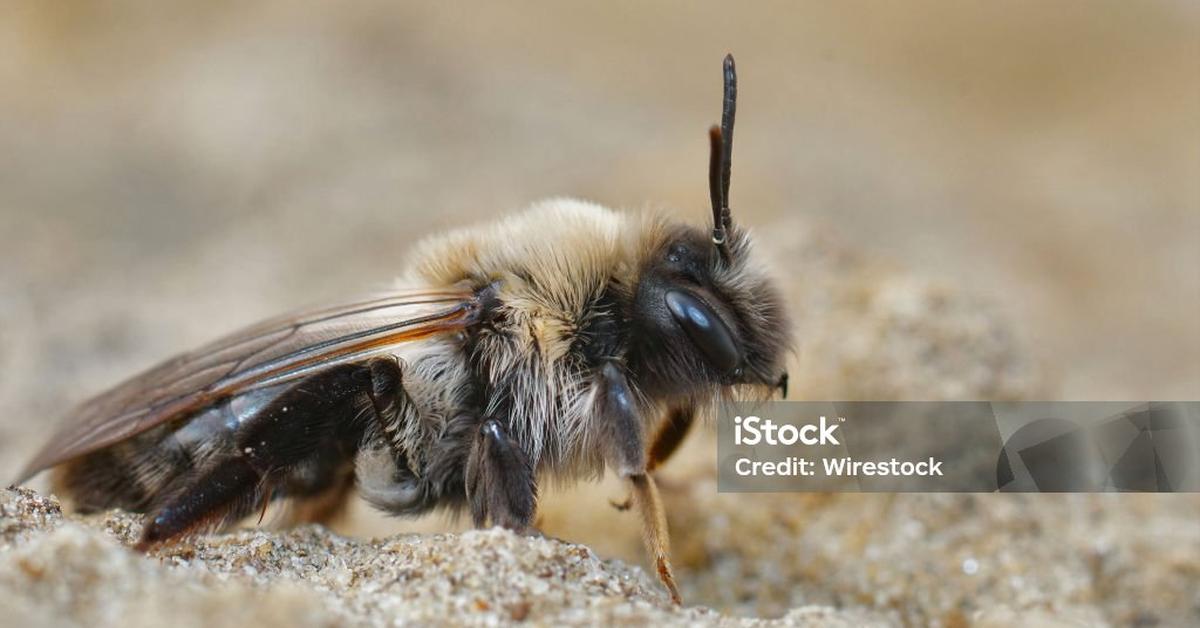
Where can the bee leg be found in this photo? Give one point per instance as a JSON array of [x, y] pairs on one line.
[[628, 454], [209, 497], [670, 436], [654, 530], [324, 504], [322, 492], [499, 480], [388, 400], [305, 422], [676, 427]]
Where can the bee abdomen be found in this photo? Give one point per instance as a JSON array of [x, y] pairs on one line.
[[132, 475], [101, 480]]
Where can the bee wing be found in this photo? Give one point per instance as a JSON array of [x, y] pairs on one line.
[[273, 352]]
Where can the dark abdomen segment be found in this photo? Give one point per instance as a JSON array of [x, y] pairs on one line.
[[304, 438], [234, 457]]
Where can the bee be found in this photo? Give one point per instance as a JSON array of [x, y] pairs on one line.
[[554, 344]]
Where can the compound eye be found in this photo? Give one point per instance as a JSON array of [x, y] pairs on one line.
[[705, 329]]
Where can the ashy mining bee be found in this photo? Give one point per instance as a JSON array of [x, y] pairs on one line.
[[553, 344]]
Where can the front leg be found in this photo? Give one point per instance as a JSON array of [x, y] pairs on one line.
[[499, 480], [627, 453], [670, 435]]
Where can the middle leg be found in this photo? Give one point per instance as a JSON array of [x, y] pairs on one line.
[[500, 483]]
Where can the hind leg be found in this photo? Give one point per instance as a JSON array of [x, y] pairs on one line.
[[308, 430], [325, 505]]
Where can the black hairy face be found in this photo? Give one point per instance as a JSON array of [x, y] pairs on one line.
[[698, 321]]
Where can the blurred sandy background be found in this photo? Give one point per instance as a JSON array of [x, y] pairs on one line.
[[171, 171]]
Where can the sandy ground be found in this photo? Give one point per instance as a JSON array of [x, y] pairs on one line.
[[78, 573], [966, 202]]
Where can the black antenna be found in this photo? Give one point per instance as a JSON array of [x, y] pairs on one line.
[[728, 110], [720, 161], [715, 157]]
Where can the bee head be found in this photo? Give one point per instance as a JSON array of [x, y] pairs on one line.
[[708, 315], [703, 320]]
